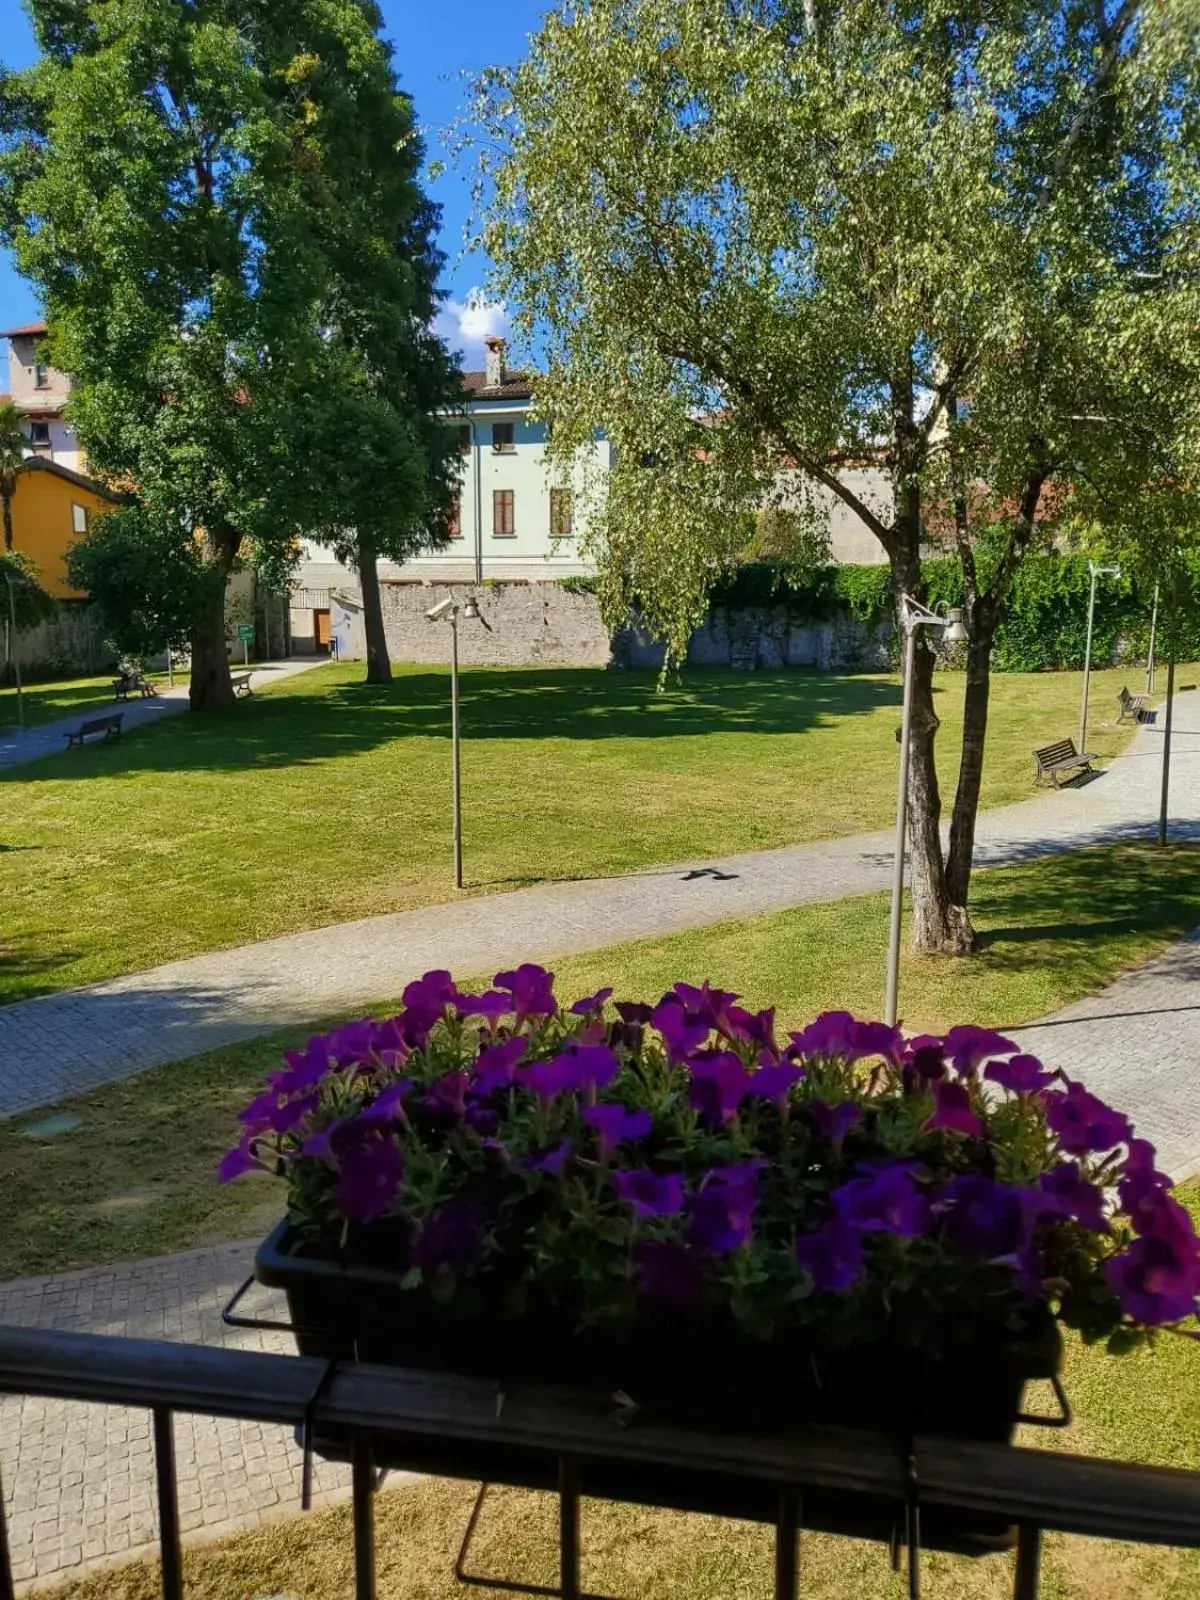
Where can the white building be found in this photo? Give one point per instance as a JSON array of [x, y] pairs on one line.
[[512, 522], [40, 391]]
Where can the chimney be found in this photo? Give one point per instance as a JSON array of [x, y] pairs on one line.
[[497, 349]]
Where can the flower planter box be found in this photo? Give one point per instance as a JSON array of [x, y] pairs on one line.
[[700, 1370]]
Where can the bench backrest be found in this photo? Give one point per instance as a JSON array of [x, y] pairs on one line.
[[1062, 751], [1124, 697], [99, 724]]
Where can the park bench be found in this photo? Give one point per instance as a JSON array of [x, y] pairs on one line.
[[109, 726], [241, 683], [1055, 759], [1132, 706], [132, 683]]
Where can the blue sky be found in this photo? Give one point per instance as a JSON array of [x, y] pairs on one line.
[[435, 42]]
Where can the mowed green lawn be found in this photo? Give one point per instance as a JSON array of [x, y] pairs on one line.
[[325, 800], [136, 1177]]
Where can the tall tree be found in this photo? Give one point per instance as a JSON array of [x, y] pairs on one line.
[[13, 442], [927, 233], [179, 179]]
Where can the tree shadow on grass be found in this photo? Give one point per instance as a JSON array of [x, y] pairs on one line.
[[312, 723], [23, 962], [1080, 903]]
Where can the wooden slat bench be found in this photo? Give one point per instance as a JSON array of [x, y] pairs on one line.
[[1053, 760], [1132, 707], [132, 683], [241, 683], [109, 726]]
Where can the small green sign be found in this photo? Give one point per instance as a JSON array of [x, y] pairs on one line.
[[246, 632]]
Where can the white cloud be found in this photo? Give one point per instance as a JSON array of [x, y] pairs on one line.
[[466, 323]]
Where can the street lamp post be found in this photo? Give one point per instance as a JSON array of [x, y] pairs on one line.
[[12, 647], [913, 615], [448, 610], [1096, 572], [1153, 633]]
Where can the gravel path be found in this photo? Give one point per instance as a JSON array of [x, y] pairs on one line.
[[17, 747], [80, 1479], [65, 1043]]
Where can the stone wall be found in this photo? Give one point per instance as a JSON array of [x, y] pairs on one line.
[[542, 624], [70, 643]]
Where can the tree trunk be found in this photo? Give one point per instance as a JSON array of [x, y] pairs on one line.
[[211, 688], [938, 924], [970, 767], [379, 666], [8, 533]]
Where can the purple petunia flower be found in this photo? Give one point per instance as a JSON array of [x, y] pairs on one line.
[[719, 1218], [751, 1027], [551, 1161], [241, 1159], [447, 1095], [709, 1004], [435, 991], [741, 1175], [388, 1106], [832, 1256], [924, 1059], [1154, 1282], [828, 1036], [1083, 1123], [868, 1039], [884, 1199], [651, 1194], [982, 1216], [775, 1082], [369, 1172], [492, 1006], [670, 1274], [1068, 1193], [1019, 1074], [836, 1121], [718, 1086], [967, 1047], [270, 1113], [548, 1079], [681, 1034], [495, 1065], [591, 1002], [451, 1238], [952, 1111], [591, 1066], [532, 989], [614, 1125]]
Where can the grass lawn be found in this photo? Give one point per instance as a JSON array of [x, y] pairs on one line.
[[325, 799], [46, 702], [1144, 1407], [137, 1177]]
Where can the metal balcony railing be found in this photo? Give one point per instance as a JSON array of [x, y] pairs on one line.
[[569, 1442]]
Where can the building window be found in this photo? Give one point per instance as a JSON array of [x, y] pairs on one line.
[[79, 518], [502, 438], [464, 439], [562, 514], [39, 436], [41, 375], [504, 524], [454, 518]]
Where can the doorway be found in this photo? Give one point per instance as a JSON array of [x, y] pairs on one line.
[[322, 632]]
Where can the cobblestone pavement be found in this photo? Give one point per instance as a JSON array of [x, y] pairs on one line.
[[17, 748], [62, 1044], [79, 1479]]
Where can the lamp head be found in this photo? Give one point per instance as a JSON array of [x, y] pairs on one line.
[[471, 608], [956, 630]]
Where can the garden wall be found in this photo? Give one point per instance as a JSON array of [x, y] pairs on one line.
[[71, 643]]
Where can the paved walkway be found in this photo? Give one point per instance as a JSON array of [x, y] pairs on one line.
[[17, 747], [66, 1043], [79, 1479]]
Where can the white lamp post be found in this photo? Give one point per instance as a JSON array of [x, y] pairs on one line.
[[913, 615], [449, 609], [1087, 653]]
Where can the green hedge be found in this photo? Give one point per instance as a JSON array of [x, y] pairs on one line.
[[1045, 625]]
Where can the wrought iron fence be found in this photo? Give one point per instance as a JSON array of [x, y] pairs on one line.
[[571, 1443]]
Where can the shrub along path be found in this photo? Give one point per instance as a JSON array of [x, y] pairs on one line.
[[59, 1045]]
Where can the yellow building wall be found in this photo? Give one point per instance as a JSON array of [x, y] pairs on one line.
[[44, 525]]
